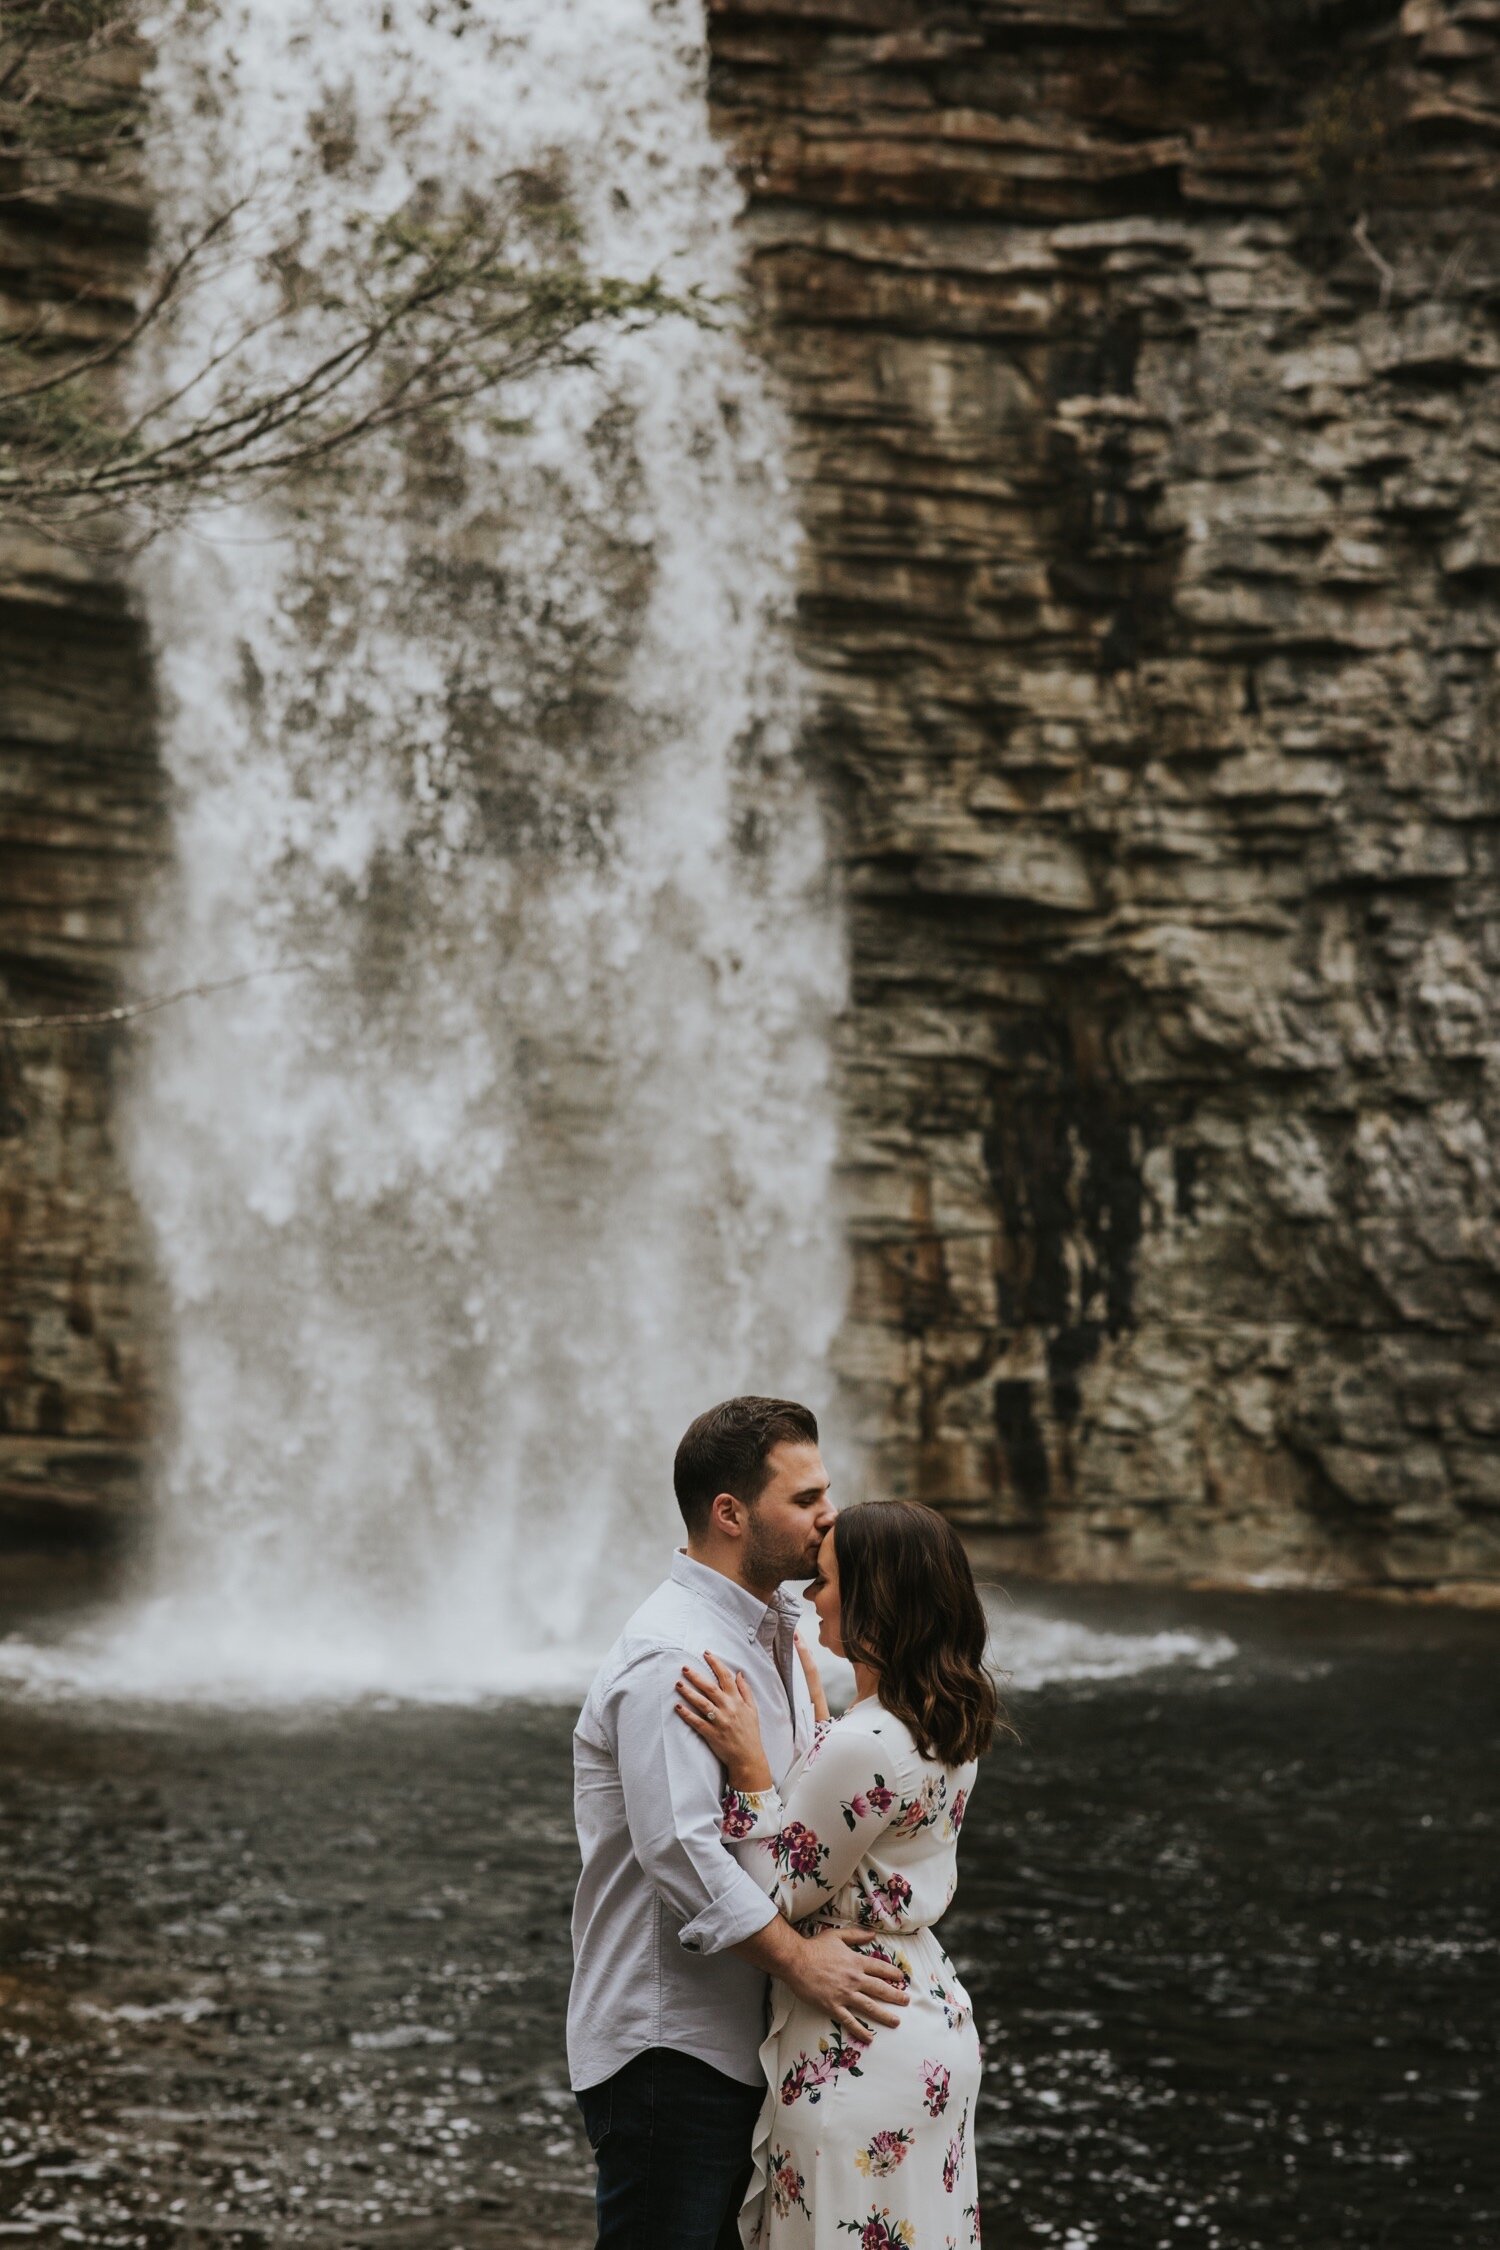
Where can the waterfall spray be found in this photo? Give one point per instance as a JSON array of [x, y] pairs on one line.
[[497, 733]]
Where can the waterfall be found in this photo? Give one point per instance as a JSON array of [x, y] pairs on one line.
[[491, 746]]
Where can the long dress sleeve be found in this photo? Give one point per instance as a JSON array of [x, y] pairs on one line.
[[845, 1796]]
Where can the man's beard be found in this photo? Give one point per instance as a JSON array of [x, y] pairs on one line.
[[769, 1560]]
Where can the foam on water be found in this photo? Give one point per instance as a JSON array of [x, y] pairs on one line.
[[1032, 1651], [115, 1661]]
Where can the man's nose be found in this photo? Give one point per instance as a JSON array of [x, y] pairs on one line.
[[823, 1520]]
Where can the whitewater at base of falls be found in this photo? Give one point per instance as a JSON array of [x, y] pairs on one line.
[[1029, 1652]]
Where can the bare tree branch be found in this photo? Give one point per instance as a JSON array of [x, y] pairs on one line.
[[419, 317], [131, 1010], [104, 355], [466, 322]]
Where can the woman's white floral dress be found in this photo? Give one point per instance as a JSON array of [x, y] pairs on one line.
[[865, 2147]]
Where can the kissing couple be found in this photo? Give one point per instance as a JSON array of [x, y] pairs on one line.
[[767, 2042]]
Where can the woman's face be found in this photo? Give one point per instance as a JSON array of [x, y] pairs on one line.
[[823, 1593]]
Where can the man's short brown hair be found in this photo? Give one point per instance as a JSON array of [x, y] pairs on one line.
[[728, 1449]]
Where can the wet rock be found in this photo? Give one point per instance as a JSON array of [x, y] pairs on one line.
[[1144, 375], [81, 832]]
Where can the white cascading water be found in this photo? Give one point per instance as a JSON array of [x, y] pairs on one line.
[[459, 1226]]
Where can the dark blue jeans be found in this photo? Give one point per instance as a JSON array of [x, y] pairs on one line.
[[671, 2137]]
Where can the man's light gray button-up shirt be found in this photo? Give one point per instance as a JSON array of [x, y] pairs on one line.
[[662, 1895]]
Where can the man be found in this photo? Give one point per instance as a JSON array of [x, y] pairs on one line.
[[672, 1939]]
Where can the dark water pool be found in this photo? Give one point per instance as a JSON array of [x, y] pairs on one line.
[[1230, 1933]]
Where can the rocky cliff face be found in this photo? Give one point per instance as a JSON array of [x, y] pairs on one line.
[[1145, 362], [80, 828]]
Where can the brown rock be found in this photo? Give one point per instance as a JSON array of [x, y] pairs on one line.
[[81, 829], [1145, 407]]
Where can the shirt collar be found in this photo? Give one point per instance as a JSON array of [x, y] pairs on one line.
[[736, 1604]]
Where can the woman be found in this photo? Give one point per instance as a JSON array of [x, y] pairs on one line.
[[872, 2142]]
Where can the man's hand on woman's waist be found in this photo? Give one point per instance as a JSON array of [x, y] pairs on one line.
[[856, 1989]]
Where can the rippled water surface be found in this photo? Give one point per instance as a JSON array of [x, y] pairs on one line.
[[1229, 1929]]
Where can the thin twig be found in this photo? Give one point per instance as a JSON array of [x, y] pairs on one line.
[[129, 1010], [234, 445], [426, 320], [1383, 266], [103, 354]]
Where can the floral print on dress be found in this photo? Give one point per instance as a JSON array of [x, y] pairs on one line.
[[884, 1902], [956, 1813], [892, 1955], [884, 2151], [787, 2184], [926, 1809], [875, 1798], [971, 2213], [954, 2009], [953, 2161], [821, 1732], [741, 1809], [935, 2094], [880, 2231], [809, 2074], [799, 1853]]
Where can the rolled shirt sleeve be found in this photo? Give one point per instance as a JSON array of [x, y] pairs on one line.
[[673, 1786]]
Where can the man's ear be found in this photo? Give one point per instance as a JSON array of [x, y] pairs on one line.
[[726, 1515]]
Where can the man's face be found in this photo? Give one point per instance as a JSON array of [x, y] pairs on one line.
[[785, 1527]]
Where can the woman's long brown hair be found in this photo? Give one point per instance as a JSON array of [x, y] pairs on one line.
[[908, 1608]]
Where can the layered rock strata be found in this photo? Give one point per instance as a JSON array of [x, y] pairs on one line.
[[80, 828], [1144, 361], [1145, 364]]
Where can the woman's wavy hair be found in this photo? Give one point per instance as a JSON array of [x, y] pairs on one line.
[[908, 1607]]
